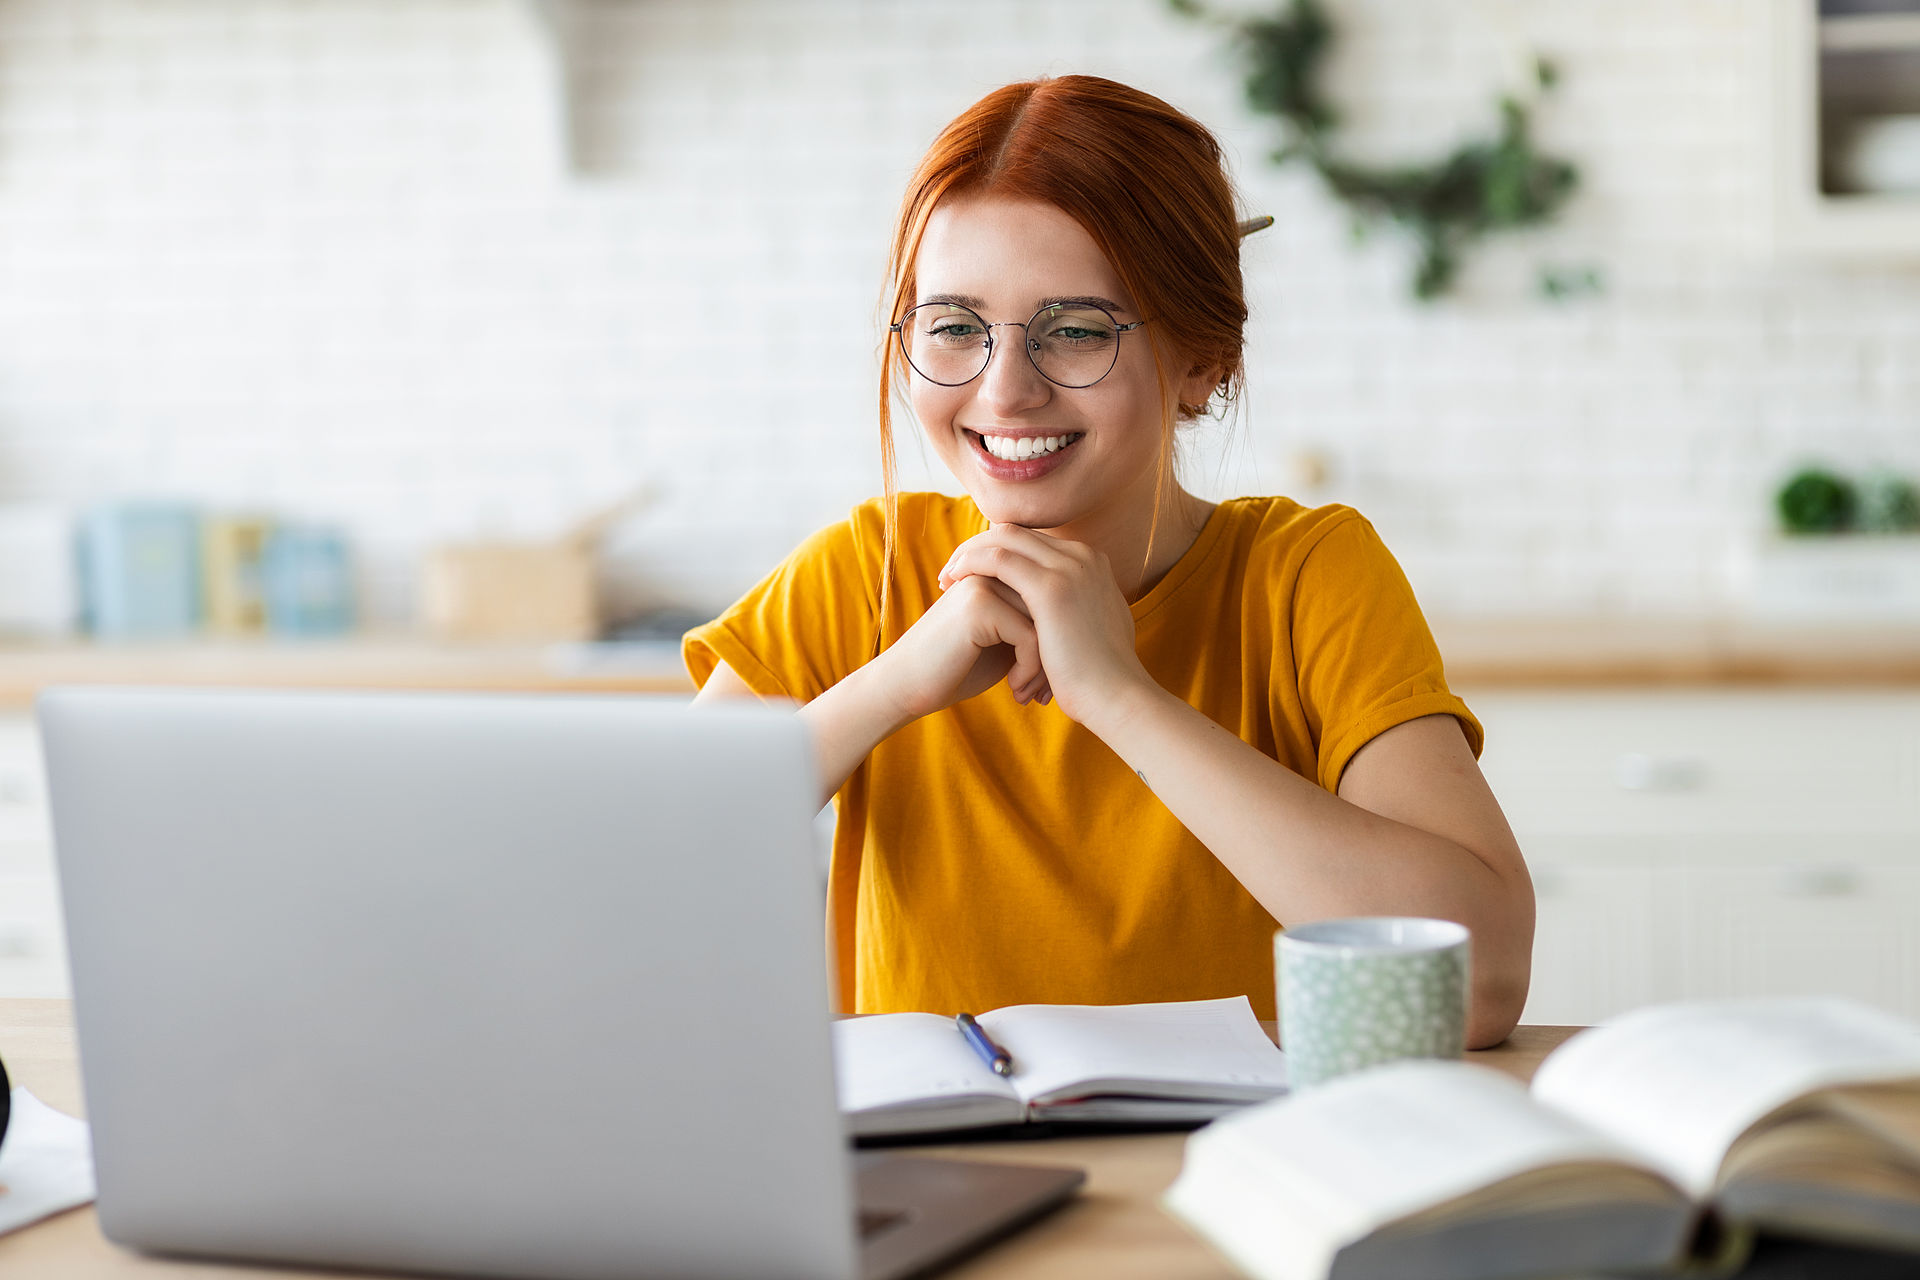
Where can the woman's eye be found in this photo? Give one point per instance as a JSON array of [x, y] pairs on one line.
[[954, 332], [1077, 334]]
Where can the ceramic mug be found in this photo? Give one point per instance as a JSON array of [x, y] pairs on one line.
[[1358, 992]]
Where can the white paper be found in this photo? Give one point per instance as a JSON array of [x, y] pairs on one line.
[[1679, 1082], [1180, 1048], [909, 1059], [46, 1163]]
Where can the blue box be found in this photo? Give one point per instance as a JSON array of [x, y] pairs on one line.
[[307, 580], [140, 570]]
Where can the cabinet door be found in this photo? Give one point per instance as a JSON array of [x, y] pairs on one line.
[[1597, 941], [1704, 766], [33, 959], [1803, 927], [33, 946]]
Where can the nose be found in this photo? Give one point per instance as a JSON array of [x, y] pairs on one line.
[[1010, 382]]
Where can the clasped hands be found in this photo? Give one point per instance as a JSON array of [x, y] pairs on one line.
[[1043, 613]]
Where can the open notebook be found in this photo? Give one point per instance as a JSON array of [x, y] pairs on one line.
[[1150, 1064]]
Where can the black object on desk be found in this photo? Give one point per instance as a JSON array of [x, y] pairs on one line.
[[6, 1102], [1777, 1257]]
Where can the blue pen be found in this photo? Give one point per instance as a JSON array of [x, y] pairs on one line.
[[990, 1053]]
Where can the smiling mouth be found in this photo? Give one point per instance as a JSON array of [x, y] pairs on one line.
[[1020, 448]]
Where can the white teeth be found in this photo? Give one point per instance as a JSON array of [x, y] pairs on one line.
[[1012, 448]]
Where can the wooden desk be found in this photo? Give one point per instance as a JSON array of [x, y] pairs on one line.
[[1115, 1229]]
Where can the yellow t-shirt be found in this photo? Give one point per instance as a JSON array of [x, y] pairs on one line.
[[992, 853]]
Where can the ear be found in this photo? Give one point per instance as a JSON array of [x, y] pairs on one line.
[[1199, 384]]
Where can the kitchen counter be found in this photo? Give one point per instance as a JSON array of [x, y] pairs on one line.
[[372, 662], [1479, 653], [1705, 650]]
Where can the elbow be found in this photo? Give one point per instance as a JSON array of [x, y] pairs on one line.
[[1495, 1009], [1501, 977], [1502, 973]]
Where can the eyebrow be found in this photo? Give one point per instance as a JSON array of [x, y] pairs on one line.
[[975, 304]]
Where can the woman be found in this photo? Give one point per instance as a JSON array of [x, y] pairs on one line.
[[1093, 739]]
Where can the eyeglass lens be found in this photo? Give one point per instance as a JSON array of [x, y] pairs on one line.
[[1072, 346]]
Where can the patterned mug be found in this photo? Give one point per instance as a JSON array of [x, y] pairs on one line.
[[1359, 992]]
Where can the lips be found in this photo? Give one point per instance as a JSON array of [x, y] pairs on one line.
[[1018, 469]]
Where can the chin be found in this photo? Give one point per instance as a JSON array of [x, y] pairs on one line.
[[1003, 508]]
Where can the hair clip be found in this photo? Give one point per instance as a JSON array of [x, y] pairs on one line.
[[1252, 225]]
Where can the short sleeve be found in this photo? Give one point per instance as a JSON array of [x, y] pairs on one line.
[[805, 626], [1363, 654]]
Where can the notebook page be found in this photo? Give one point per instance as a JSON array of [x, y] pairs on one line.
[[1680, 1082], [898, 1059], [1352, 1155], [1199, 1048], [46, 1163]]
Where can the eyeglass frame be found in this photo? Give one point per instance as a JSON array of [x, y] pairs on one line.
[[897, 328]]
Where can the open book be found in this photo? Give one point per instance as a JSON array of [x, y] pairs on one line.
[[1186, 1061], [1800, 1116]]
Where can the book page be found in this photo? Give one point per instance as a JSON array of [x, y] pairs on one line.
[[1354, 1154], [1188, 1048], [896, 1060], [1679, 1082]]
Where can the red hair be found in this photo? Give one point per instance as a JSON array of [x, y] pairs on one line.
[[1145, 181]]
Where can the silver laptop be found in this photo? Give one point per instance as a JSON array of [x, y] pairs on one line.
[[487, 984]]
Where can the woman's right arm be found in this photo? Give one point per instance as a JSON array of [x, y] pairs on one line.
[[973, 637]]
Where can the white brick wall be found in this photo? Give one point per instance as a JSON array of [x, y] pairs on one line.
[[320, 256]]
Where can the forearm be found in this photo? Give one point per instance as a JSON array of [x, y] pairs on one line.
[[846, 723], [1306, 854]]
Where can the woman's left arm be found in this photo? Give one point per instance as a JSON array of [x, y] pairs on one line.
[[1414, 830]]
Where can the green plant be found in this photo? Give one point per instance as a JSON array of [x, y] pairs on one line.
[[1816, 501], [1483, 186], [1888, 503]]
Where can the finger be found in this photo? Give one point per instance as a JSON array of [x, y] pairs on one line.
[[1033, 688], [1008, 594], [1039, 691], [1043, 549], [1026, 675], [1010, 565], [1008, 625], [1002, 590]]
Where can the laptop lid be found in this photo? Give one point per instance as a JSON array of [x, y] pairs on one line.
[[489, 984]]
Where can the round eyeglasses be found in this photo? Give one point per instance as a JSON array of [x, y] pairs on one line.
[[1072, 344]]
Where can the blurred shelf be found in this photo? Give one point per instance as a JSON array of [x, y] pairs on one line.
[[373, 662], [1480, 652], [1859, 32], [1543, 652]]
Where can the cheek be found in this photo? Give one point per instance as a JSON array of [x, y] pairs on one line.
[[934, 407], [1134, 404]]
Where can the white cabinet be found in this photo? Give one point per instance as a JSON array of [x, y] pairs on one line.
[[1594, 940], [1702, 843], [1846, 126], [33, 951], [1832, 927]]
